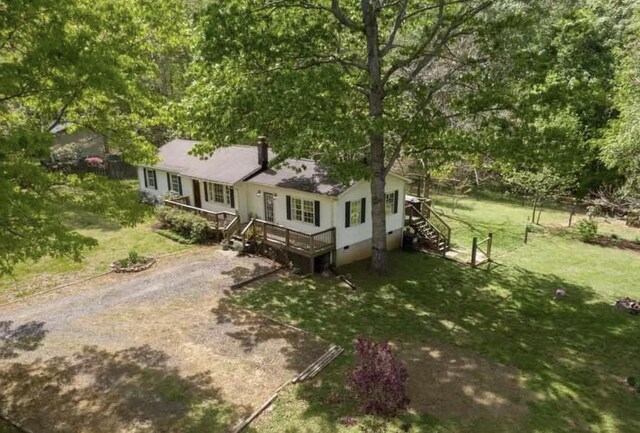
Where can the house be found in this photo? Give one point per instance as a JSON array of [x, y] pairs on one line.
[[294, 205]]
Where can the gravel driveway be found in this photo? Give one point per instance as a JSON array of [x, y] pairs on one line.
[[162, 350]]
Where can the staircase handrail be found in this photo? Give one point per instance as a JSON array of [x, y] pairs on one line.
[[444, 231]]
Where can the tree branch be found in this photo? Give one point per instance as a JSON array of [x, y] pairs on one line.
[[396, 26]]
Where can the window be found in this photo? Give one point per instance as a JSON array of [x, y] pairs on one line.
[[356, 213], [218, 193], [150, 178], [175, 185], [303, 210], [389, 202]]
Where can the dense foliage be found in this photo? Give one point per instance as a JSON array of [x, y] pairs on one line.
[[378, 379], [190, 226], [94, 64]]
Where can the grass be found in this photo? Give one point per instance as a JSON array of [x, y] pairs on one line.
[[114, 243], [571, 355]]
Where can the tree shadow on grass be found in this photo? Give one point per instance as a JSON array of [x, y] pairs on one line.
[[252, 330], [572, 350], [94, 390], [25, 337]]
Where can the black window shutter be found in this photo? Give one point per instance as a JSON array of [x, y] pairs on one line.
[[363, 210], [206, 191], [395, 201], [168, 182], [317, 212], [180, 184], [232, 197], [144, 174], [347, 214], [155, 179], [289, 207]]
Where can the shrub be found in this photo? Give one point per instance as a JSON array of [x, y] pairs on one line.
[[587, 229], [135, 258], [190, 226], [378, 379], [633, 219]]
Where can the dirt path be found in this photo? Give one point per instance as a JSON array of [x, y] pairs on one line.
[[161, 350]]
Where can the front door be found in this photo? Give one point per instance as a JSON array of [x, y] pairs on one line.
[[196, 194], [268, 207]]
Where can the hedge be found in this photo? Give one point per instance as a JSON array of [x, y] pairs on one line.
[[190, 226]]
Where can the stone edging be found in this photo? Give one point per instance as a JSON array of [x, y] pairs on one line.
[[149, 261]]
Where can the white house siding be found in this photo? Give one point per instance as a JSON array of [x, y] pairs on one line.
[[212, 205], [354, 243], [163, 186], [255, 205]]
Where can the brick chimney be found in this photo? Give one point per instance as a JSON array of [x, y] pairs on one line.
[[263, 152]]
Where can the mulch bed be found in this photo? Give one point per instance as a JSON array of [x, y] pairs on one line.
[[136, 267]]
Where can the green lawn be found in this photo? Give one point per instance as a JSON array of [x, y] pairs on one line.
[[114, 242], [568, 355]]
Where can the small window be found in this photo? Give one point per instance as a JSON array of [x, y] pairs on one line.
[[356, 212], [174, 183], [151, 178], [303, 210], [228, 195], [389, 202]]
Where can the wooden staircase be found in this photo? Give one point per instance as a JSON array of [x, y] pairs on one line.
[[433, 232]]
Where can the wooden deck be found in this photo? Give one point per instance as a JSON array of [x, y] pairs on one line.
[[226, 222], [308, 245]]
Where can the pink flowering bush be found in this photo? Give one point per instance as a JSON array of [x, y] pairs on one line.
[[93, 160], [378, 379]]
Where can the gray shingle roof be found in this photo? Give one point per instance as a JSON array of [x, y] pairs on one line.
[[227, 164], [301, 175], [235, 163]]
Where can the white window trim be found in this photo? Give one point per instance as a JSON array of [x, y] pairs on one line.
[[389, 205], [172, 177], [300, 211], [355, 218], [151, 178], [225, 193]]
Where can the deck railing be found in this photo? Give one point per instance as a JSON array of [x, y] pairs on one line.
[[219, 220], [304, 243]]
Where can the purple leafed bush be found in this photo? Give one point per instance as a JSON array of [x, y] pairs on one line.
[[378, 379]]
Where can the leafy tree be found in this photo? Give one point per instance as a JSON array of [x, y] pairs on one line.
[[90, 63], [349, 83], [620, 146], [539, 185]]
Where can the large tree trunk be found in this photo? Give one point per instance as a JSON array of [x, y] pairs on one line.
[[376, 140]]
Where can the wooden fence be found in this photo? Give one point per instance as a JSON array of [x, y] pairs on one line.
[[117, 170], [481, 251]]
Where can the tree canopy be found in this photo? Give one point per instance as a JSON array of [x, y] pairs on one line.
[[90, 64]]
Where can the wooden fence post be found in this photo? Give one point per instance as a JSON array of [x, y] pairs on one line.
[[489, 242], [474, 251], [526, 233], [573, 211]]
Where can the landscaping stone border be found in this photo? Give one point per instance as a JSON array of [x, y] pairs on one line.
[[149, 261]]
